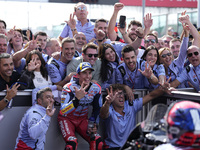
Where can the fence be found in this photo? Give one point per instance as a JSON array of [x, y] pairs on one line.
[[9, 125]]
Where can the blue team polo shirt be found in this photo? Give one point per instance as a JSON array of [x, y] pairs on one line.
[[118, 127], [56, 73], [192, 75], [87, 29], [134, 80]]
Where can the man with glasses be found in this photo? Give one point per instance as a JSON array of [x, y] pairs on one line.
[[167, 39], [57, 68], [192, 72], [119, 116], [89, 55], [81, 25], [174, 45], [150, 39]]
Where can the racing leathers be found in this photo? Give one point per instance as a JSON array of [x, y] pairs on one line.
[[73, 115]]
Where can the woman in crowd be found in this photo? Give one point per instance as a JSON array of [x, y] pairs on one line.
[[110, 61], [151, 56], [35, 74]]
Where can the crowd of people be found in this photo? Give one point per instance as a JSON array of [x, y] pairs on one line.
[[90, 58]]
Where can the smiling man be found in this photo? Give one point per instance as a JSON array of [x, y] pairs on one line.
[[119, 116], [75, 100], [81, 25], [192, 72], [7, 74], [127, 73], [35, 123], [89, 55], [80, 41], [57, 68], [3, 43]]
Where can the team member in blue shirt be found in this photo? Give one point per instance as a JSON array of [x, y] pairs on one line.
[[131, 73], [192, 72], [57, 68], [81, 25], [35, 122], [119, 116]]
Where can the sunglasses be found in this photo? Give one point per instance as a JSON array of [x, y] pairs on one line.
[[90, 55], [177, 46], [195, 53], [81, 8], [165, 55], [166, 41], [152, 41]]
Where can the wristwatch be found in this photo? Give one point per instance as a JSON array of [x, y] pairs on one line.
[[6, 100]]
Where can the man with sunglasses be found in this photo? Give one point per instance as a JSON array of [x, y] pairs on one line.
[[81, 25], [167, 39], [89, 55], [192, 72], [150, 39], [174, 45]]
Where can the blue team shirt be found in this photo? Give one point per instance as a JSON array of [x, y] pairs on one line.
[[118, 127], [56, 70], [117, 46], [191, 74], [111, 75], [87, 29], [134, 80], [158, 70], [177, 65]]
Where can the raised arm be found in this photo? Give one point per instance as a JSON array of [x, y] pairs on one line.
[[148, 21], [22, 53], [185, 19], [111, 32]]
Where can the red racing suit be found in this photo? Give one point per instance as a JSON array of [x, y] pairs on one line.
[[73, 115]]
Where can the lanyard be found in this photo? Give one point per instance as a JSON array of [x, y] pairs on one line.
[[196, 75], [133, 82]]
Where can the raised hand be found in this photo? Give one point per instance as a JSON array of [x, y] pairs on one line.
[[32, 44], [118, 6], [11, 33], [11, 92], [122, 30], [139, 32], [32, 65], [110, 97], [71, 22], [80, 93], [148, 71], [148, 21], [50, 110]]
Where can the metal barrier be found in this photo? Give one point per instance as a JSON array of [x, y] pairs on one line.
[[9, 125]]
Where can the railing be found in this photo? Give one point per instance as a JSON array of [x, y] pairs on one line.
[[9, 125]]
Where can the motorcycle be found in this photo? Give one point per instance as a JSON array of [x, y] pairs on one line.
[[150, 133]]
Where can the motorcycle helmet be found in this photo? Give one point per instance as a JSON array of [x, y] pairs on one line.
[[183, 124]]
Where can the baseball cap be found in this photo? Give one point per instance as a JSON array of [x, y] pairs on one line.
[[84, 66]]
